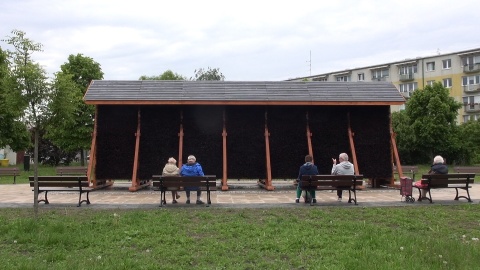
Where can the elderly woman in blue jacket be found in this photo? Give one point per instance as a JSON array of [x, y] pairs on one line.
[[192, 168]]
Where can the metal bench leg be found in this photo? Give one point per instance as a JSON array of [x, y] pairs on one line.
[[162, 198], [466, 197], [80, 201], [45, 198]]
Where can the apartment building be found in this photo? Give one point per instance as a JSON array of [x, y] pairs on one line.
[[459, 71]]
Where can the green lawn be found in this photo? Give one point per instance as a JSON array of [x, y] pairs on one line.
[[424, 237]]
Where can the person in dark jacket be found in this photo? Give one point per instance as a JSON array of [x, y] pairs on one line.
[[438, 167], [306, 169], [192, 168]]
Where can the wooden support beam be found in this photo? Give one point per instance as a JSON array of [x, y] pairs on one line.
[[180, 141], [135, 182], [268, 181], [309, 140], [352, 145], [224, 141], [93, 149], [396, 157]]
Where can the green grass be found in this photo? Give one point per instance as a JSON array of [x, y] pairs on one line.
[[430, 237]]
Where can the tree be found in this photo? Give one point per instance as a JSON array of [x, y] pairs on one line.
[[67, 110], [429, 127], [208, 75], [469, 133], [13, 132], [165, 76], [31, 89]]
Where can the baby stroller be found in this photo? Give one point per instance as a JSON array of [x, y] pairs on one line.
[[406, 189]]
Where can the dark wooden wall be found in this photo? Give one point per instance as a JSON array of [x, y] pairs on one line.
[[245, 126]]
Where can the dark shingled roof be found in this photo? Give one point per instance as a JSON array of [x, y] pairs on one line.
[[242, 93]]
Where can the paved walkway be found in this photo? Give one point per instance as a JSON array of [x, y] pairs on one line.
[[247, 196]]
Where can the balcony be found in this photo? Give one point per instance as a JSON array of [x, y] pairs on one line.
[[472, 88], [471, 68], [407, 77], [470, 108]]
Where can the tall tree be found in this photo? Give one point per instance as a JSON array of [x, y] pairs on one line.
[[165, 76], [67, 110], [32, 89], [431, 116], [13, 132], [469, 133], [208, 74]]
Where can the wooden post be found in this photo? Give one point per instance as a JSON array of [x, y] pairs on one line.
[[135, 185], [352, 146], [224, 140], [396, 156], [309, 140], [268, 181], [180, 141], [93, 149]]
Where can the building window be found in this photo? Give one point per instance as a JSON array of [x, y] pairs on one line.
[[469, 80], [408, 87], [430, 66], [380, 74], [361, 76], [447, 83], [408, 69], [345, 78], [430, 82], [319, 79], [447, 63], [471, 60]]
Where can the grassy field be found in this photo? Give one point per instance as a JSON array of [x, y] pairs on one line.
[[431, 237]]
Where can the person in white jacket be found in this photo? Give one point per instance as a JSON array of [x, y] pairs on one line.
[[171, 169], [344, 167]]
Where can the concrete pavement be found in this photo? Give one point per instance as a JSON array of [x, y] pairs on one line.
[[239, 195]]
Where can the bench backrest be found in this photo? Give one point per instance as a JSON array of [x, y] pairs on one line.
[[71, 170], [10, 171], [332, 180], [443, 180], [60, 181], [459, 169], [184, 181]]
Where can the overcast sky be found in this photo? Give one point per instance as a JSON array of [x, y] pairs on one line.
[[247, 40]]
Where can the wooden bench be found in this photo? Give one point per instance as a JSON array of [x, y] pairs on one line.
[[71, 170], [469, 169], [454, 180], [163, 183], [13, 171], [333, 182], [64, 183], [411, 170]]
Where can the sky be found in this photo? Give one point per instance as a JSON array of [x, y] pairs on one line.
[[246, 40]]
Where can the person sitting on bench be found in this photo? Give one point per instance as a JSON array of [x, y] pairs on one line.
[[192, 168], [342, 168], [306, 169], [438, 167]]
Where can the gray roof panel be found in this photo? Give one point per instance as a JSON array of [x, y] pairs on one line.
[[166, 92]]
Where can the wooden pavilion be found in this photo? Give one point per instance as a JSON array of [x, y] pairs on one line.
[[240, 130]]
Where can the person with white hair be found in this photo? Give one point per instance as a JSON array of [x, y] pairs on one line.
[[344, 167], [192, 168], [171, 169], [438, 167]]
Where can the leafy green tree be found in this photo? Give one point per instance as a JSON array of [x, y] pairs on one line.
[[67, 110], [166, 76], [469, 133], [32, 89], [13, 131], [208, 75], [429, 126]]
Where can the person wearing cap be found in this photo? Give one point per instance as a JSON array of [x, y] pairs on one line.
[[171, 169], [192, 168]]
